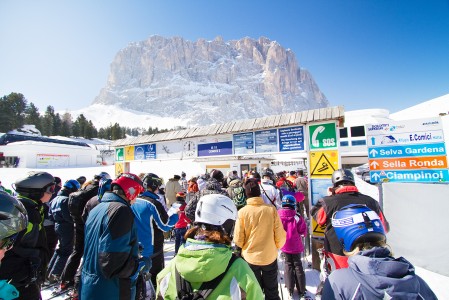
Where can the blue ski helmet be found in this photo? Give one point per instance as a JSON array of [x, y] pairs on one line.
[[103, 187], [356, 223], [72, 185], [102, 175], [288, 201]]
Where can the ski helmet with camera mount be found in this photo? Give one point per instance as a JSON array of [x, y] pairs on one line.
[[357, 223]]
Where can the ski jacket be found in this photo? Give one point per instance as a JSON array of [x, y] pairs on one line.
[[59, 208], [145, 213], [259, 232], [270, 194], [183, 221], [322, 212], [295, 227], [212, 187], [158, 234], [302, 186], [27, 261], [199, 261], [110, 251], [171, 189], [78, 200], [374, 274]]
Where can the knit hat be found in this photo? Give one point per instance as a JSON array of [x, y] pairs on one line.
[[252, 188]]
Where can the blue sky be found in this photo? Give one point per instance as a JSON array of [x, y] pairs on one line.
[[363, 54]]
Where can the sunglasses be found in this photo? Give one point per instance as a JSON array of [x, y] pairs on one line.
[[8, 243], [50, 189]]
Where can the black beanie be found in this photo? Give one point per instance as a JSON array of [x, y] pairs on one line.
[[252, 188], [217, 174]]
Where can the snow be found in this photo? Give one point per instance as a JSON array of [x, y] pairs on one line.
[[427, 109], [103, 116]]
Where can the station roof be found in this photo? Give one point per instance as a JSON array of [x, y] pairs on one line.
[[295, 118]]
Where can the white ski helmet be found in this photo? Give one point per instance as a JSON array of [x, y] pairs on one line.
[[218, 210]]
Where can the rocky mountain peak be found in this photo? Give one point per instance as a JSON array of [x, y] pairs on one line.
[[210, 81]]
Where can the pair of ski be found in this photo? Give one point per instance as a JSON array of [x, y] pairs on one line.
[[58, 292]]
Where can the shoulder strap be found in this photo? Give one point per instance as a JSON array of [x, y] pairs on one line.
[[207, 288], [182, 285], [272, 201]]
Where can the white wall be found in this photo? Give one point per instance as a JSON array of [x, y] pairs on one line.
[[418, 216]]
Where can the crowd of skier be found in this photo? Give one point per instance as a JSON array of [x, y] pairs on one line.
[[103, 238]]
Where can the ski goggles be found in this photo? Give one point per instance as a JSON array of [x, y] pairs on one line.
[[50, 189], [8, 243]]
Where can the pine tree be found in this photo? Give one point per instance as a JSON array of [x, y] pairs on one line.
[[32, 116]]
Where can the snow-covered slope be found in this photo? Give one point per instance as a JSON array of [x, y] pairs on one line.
[[427, 109], [105, 115]]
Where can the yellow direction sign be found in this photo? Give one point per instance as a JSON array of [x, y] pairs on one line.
[[323, 163], [317, 230], [119, 168]]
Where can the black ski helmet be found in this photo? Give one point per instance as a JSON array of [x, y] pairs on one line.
[[151, 181], [34, 184], [13, 216], [268, 172], [341, 176]]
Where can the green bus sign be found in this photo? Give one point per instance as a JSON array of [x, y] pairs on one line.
[[323, 136]]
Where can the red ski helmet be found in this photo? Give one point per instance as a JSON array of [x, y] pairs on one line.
[[130, 184]]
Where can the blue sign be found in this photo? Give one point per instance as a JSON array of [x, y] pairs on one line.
[[435, 149], [266, 140], [149, 151], [243, 143], [291, 139], [434, 175], [214, 149]]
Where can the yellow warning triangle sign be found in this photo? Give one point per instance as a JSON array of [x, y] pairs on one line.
[[323, 166]]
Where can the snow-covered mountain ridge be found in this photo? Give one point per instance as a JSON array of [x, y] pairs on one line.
[[209, 82]]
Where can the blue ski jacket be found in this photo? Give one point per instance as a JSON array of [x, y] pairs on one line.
[[145, 213], [374, 274], [59, 207], [110, 251]]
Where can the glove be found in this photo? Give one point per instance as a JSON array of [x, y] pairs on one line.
[[142, 267], [8, 291]]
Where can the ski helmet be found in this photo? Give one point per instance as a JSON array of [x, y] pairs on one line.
[[81, 179], [103, 187], [341, 176], [216, 209], [268, 172], [289, 201], [151, 181], [356, 223], [35, 184], [72, 185], [217, 174], [13, 218], [130, 184], [102, 175]]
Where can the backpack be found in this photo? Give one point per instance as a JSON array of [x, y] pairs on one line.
[[237, 194], [77, 202], [185, 291]]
